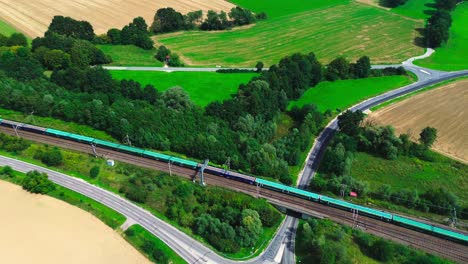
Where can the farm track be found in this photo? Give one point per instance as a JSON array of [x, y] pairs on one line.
[[435, 245]]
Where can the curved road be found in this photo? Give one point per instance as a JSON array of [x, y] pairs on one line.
[[188, 248]]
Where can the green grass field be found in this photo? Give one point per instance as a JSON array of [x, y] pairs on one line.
[[130, 55], [6, 29], [413, 174], [331, 30], [141, 235], [344, 93], [202, 87], [454, 54], [277, 8], [414, 9]]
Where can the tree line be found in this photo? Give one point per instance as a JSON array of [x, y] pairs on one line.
[[437, 29]]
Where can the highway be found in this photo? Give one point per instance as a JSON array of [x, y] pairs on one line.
[[193, 251]]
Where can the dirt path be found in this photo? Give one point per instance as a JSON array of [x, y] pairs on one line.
[[444, 108], [43, 230]]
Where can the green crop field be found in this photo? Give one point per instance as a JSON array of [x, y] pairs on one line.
[[414, 9], [277, 8], [344, 93], [413, 174], [454, 54], [130, 55], [6, 29], [202, 87], [337, 28]]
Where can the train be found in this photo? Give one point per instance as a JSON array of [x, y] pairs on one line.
[[314, 197]]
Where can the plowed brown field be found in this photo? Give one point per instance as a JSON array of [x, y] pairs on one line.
[[33, 16], [444, 108]]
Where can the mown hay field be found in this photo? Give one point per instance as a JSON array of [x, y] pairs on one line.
[[443, 108], [33, 16], [351, 29]]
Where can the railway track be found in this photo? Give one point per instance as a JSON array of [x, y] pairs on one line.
[[442, 247]]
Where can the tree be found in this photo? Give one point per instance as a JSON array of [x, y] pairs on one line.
[[337, 69], [136, 33], [382, 250], [259, 66], [162, 53], [349, 122], [52, 157], [392, 3], [3, 40], [36, 182], [446, 4], [241, 16], [176, 98], [8, 171], [427, 136], [56, 59], [250, 229], [167, 20], [362, 68], [69, 27], [17, 39], [94, 172], [192, 18], [114, 36], [215, 21]]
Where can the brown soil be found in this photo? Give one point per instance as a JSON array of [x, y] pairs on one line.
[[33, 16], [40, 229], [444, 108]]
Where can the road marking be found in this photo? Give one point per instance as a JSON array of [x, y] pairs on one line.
[[426, 72]]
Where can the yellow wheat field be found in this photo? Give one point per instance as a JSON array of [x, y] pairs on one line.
[[33, 16]]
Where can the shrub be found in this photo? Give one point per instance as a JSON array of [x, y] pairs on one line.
[[94, 172], [36, 182]]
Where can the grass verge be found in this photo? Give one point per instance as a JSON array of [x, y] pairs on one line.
[[140, 235], [202, 87]]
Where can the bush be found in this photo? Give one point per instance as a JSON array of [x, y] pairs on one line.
[[36, 182], [8, 171], [50, 157], [94, 172]]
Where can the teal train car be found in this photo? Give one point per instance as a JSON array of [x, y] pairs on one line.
[[360, 209], [287, 189]]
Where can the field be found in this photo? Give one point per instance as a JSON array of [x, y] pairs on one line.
[[443, 108], [33, 17], [344, 93], [412, 173], [130, 55], [6, 29], [202, 87], [414, 9], [338, 28], [39, 223], [453, 55]]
